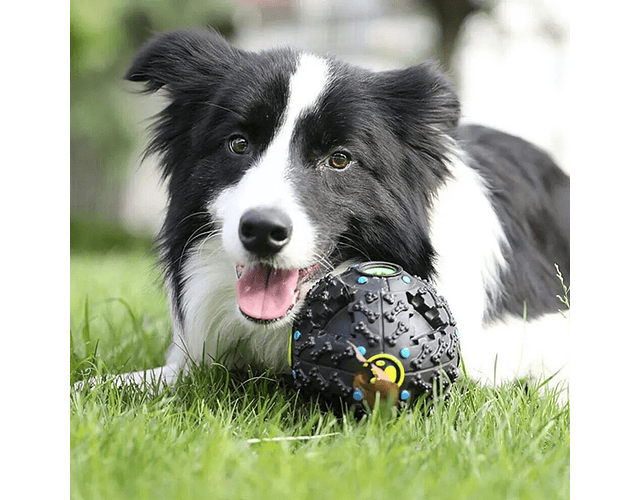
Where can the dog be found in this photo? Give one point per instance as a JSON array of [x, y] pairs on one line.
[[282, 166]]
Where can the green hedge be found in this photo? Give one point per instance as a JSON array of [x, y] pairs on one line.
[[91, 234]]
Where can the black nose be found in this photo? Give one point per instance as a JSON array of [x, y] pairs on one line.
[[265, 231]]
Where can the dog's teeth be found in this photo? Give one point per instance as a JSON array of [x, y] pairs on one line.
[[239, 270]]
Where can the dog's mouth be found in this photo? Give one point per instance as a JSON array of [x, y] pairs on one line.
[[266, 294]]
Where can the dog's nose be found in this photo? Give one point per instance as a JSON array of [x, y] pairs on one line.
[[265, 231]]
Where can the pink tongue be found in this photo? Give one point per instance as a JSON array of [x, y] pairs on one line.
[[266, 293]]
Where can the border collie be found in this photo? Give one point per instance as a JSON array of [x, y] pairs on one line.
[[283, 166]]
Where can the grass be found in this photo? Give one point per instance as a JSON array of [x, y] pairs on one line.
[[221, 435]]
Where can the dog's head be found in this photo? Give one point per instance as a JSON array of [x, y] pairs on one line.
[[293, 163]]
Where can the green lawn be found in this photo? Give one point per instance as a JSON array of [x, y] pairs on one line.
[[217, 435]]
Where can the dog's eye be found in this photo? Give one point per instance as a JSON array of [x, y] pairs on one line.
[[238, 145], [339, 160]]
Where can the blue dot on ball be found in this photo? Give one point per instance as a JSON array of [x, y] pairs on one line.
[[362, 350], [406, 279], [405, 353], [404, 395], [296, 335], [362, 280], [357, 395]]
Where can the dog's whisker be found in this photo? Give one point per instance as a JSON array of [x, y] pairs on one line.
[[201, 231], [209, 236], [347, 242], [195, 214], [218, 106], [206, 237], [324, 261]]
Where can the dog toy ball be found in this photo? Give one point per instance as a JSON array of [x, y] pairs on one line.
[[371, 332]]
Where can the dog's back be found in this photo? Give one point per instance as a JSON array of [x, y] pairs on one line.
[[530, 194]]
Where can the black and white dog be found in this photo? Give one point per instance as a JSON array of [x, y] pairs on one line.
[[282, 166]]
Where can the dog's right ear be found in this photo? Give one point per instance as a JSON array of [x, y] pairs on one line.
[[183, 61]]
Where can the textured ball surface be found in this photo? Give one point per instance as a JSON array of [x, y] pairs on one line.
[[374, 329]]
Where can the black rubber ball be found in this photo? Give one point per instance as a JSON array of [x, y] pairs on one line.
[[374, 329]]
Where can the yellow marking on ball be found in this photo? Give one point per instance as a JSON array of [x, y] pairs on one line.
[[393, 368], [392, 372]]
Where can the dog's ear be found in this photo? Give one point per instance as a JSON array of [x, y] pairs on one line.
[[183, 61], [419, 96]]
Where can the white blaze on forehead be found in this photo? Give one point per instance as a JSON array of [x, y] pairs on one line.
[[306, 85], [305, 88], [266, 184]]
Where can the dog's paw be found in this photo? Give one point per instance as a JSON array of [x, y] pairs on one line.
[[155, 380]]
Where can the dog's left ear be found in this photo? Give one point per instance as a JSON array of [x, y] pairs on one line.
[[419, 96]]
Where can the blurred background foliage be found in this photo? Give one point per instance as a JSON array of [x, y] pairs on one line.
[[104, 36]]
